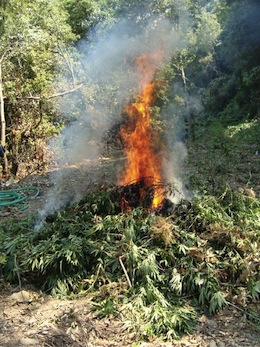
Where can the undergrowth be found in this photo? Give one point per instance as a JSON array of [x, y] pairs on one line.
[[224, 152], [155, 273]]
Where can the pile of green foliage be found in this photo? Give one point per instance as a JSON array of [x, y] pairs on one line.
[[155, 273]]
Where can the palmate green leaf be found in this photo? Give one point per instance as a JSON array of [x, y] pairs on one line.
[[202, 297], [149, 266], [165, 321], [99, 226], [176, 282], [130, 234], [254, 289], [13, 245], [182, 249], [106, 308], [154, 294], [133, 254], [217, 301], [198, 280], [138, 301]]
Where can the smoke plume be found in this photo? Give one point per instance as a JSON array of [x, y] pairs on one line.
[[110, 81]]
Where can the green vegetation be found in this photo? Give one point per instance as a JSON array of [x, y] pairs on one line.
[[41, 62], [154, 272], [222, 153]]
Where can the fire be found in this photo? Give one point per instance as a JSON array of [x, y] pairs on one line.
[[143, 163]]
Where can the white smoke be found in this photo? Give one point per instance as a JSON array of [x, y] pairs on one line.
[[109, 72], [182, 111]]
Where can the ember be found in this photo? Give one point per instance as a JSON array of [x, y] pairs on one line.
[[138, 194], [141, 180]]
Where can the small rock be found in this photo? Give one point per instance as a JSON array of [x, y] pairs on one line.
[[212, 344], [26, 341], [107, 322], [32, 322], [45, 332], [22, 296], [212, 324]]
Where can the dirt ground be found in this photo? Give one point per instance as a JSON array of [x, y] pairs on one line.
[[28, 317], [31, 318]]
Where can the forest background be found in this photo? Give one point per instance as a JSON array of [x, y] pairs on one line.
[[43, 45]]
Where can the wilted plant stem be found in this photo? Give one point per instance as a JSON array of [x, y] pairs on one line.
[[18, 273], [125, 272]]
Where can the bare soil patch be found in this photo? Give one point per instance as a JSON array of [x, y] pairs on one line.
[[31, 318]]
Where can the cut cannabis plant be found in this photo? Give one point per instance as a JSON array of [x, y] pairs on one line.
[[153, 272]]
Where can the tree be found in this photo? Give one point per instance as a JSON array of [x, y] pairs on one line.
[[33, 49], [236, 89], [80, 15]]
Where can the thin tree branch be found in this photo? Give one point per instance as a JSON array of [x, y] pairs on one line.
[[65, 92], [52, 96]]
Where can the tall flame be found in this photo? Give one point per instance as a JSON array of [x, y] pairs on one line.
[[143, 162]]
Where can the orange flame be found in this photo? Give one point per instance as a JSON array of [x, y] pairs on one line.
[[143, 162]]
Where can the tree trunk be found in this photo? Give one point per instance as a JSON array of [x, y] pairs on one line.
[[183, 77], [3, 124], [189, 118]]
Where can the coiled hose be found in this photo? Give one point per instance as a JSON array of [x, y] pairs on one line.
[[17, 197]]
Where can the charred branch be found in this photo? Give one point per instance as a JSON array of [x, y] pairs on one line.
[[138, 194]]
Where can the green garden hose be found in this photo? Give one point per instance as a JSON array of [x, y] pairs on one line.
[[16, 197]]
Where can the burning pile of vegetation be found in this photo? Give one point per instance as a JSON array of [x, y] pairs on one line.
[[139, 194], [143, 174], [150, 263], [153, 272]]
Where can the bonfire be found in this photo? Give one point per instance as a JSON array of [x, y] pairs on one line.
[[142, 182]]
